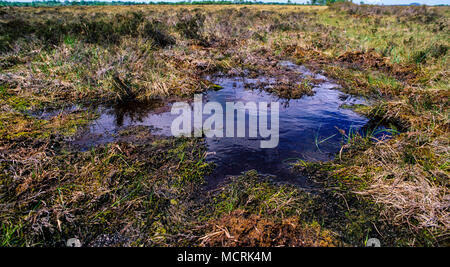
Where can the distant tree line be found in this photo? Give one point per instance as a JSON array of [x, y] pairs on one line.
[[101, 3], [66, 3], [326, 2]]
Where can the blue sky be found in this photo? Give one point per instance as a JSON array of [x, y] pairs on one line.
[[383, 2]]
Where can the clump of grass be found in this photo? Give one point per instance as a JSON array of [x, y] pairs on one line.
[[239, 229], [101, 29], [191, 26], [106, 191], [249, 211], [395, 174], [433, 51], [248, 192], [417, 13]]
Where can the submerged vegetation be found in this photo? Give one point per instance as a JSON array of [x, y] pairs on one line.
[[147, 190]]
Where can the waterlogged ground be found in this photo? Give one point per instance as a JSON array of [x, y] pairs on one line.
[[110, 174], [307, 131], [308, 127]]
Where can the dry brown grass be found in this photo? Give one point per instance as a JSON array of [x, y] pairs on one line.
[[405, 188], [240, 229]]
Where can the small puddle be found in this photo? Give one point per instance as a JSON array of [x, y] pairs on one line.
[[308, 131], [308, 127]]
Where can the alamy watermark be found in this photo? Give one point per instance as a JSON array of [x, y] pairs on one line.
[[259, 124]]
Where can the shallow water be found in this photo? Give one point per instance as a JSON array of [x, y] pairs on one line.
[[304, 125], [308, 127]]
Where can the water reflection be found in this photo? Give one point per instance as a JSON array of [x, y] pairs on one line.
[[308, 127]]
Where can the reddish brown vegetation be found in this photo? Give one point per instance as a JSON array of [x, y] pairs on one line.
[[243, 229], [373, 60]]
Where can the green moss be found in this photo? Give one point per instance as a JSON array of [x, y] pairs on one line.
[[16, 102], [253, 193], [14, 125], [359, 108], [215, 87]]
